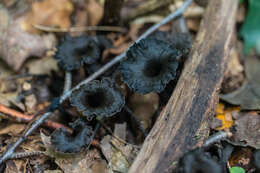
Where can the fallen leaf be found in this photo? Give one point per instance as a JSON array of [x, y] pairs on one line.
[[247, 129], [220, 108], [14, 166], [48, 13], [224, 115], [42, 66], [120, 156], [83, 162], [12, 129], [87, 161], [16, 45], [236, 169], [118, 161], [248, 95], [52, 171], [242, 158], [225, 122]]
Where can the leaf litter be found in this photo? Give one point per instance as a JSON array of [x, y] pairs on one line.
[[118, 156], [248, 95]]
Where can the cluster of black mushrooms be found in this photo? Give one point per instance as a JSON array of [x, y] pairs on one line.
[[149, 66]]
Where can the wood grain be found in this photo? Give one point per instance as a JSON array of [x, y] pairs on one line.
[[183, 124]]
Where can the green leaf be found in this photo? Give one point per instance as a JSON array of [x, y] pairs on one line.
[[251, 28], [241, 1], [236, 170]]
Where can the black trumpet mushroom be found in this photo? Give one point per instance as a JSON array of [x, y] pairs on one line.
[[198, 161], [256, 160], [73, 52], [149, 65], [181, 41], [98, 98], [64, 142]]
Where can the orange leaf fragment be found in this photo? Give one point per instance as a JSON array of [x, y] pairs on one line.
[[224, 114]]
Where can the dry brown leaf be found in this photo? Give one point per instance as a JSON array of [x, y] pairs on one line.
[[14, 166], [87, 13], [248, 95], [119, 155], [83, 162], [42, 66], [12, 129], [17, 45], [247, 129], [90, 161], [53, 171], [117, 159], [48, 13]]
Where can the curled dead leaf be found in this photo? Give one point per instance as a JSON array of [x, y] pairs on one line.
[[247, 129], [248, 95]]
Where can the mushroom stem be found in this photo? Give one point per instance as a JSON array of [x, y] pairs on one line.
[[95, 132], [67, 82]]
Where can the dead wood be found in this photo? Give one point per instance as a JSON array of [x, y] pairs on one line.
[[184, 122]]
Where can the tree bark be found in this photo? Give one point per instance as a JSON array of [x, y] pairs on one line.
[[183, 124]]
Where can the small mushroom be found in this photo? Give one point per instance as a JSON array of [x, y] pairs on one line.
[[149, 65], [181, 41], [98, 98], [64, 142], [256, 160], [197, 161], [73, 52]]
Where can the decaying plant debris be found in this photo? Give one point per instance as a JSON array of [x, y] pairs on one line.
[[129, 86]]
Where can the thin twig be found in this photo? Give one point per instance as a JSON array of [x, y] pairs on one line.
[[8, 153], [216, 137], [67, 82], [15, 114], [117, 59], [27, 118], [19, 155], [80, 28]]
